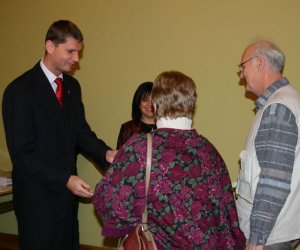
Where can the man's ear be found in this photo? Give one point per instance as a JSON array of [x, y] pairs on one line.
[[49, 46], [261, 62]]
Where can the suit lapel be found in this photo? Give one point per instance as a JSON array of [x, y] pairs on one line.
[[45, 94], [66, 95]]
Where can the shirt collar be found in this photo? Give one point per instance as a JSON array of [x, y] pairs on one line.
[[51, 77], [261, 101]]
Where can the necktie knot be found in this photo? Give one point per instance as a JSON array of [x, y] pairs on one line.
[[59, 90]]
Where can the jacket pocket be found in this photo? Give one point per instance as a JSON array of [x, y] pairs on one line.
[[245, 180]]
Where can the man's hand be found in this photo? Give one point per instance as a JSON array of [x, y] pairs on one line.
[[253, 247], [79, 187], [110, 155]]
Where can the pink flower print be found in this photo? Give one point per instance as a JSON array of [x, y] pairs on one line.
[[177, 173], [196, 209], [168, 155], [180, 212], [163, 186], [115, 203], [203, 224], [140, 188], [180, 241], [219, 160], [194, 143], [111, 222], [186, 157], [100, 188], [196, 236], [194, 172], [200, 192], [125, 192], [222, 219], [211, 244], [109, 194], [158, 141], [157, 205], [121, 156], [216, 192], [208, 207], [138, 207], [140, 147], [101, 206], [222, 241], [116, 177], [164, 167], [233, 214], [209, 148], [169, 219], [132, 169], [186, 227], [121, 212], [213, 221], [206, 163], [225, 179], [227, 197], [185, 193], [172, 141], [151, 194]]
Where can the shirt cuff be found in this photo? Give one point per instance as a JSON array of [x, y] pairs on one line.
[[257, 239]]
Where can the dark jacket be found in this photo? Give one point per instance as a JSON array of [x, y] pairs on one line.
[[43, 141], [132, 127]]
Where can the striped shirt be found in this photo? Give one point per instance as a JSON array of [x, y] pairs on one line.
[[275, 145]]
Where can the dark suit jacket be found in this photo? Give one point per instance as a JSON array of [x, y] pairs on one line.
[[43, 141]]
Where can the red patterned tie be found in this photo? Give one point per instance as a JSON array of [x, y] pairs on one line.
[[59, 90]]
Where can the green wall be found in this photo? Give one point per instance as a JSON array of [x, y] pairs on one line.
[[131, 41]]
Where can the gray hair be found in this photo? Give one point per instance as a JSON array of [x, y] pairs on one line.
[[272, 53]]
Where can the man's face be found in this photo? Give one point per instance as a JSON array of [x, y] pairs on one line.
[[64, 56], [248, 70]]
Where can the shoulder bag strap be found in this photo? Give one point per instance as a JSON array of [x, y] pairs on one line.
[[147, 178]]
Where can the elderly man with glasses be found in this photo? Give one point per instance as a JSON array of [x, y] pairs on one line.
[[268, 196]]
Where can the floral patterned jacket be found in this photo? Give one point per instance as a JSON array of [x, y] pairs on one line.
[[190, 202]]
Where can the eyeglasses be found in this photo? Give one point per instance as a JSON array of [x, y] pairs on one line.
[[241, 65]]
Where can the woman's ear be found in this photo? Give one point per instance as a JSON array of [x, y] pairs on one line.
[[154, 107]]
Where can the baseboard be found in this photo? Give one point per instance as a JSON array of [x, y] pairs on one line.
[[87, 247], [10, 242]]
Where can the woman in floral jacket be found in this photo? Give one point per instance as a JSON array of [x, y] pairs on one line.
[[190, 202]]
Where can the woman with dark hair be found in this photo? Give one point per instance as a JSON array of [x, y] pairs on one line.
[[190, 204], [142, 114]]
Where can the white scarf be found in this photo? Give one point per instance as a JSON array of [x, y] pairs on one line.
[[177, 123]]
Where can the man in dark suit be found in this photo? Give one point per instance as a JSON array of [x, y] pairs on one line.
[[44, 133]]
